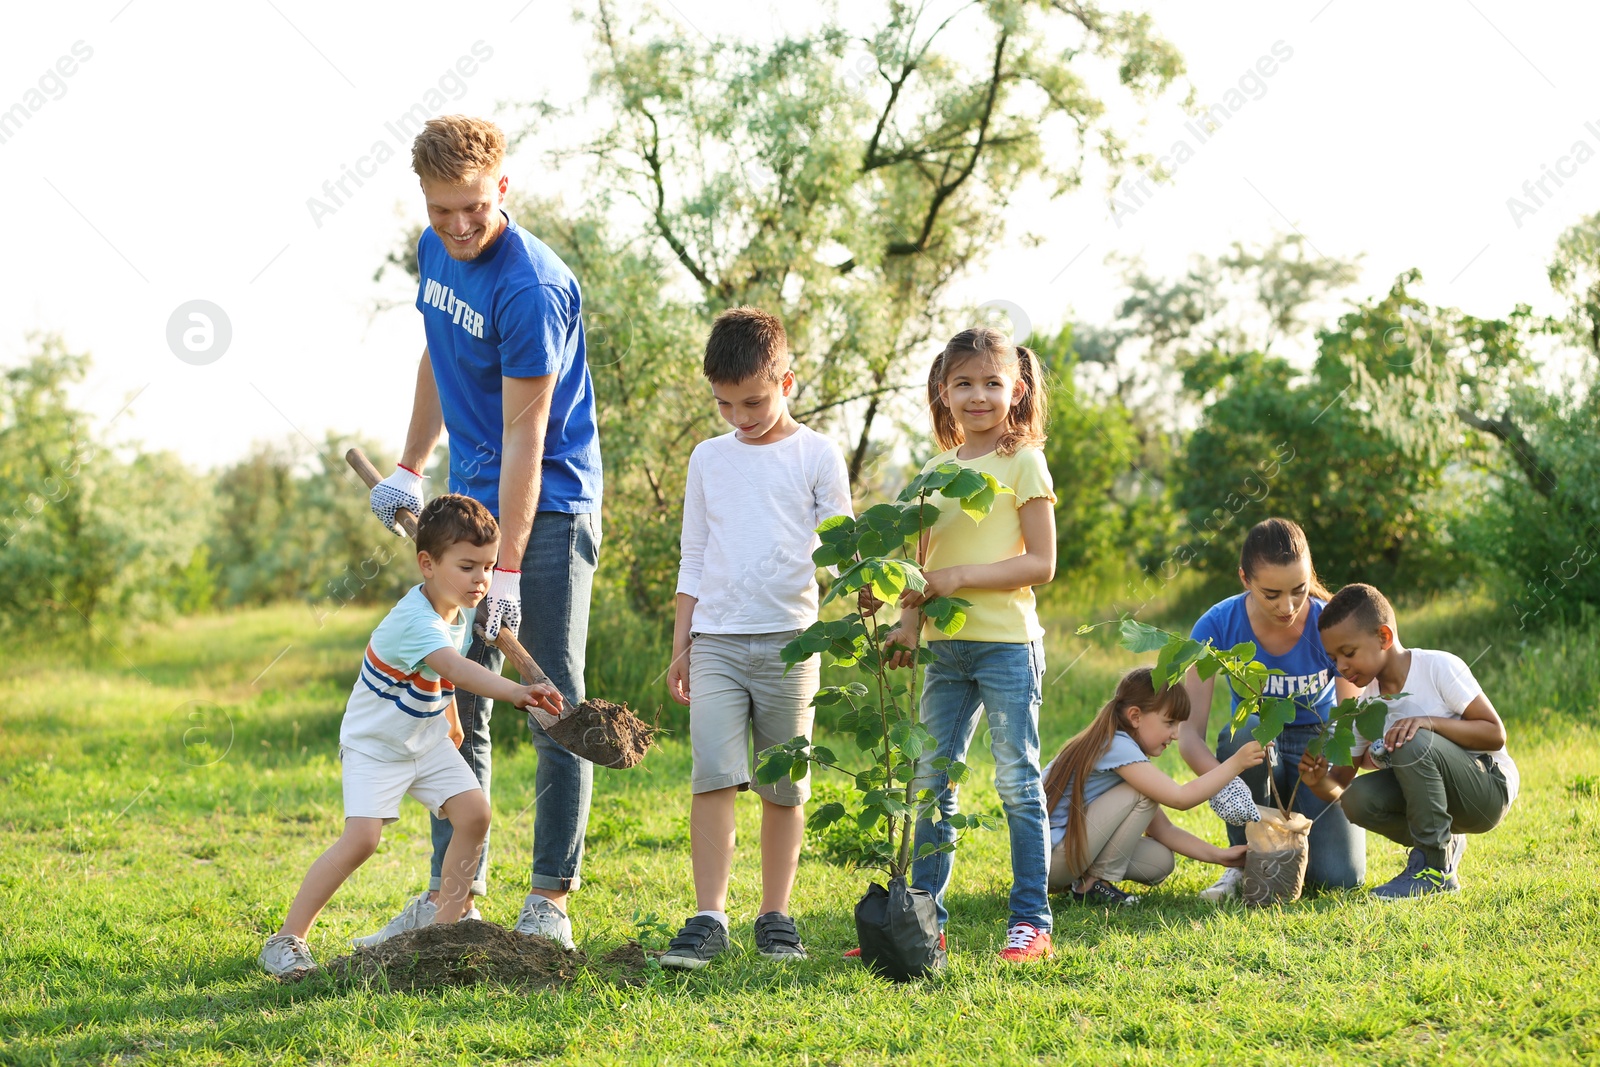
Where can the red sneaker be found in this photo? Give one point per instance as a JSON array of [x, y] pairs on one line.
[[855, 953], [1025, 941]]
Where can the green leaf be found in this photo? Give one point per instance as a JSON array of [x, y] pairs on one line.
[[941, 762], [827, 556], [1276, 713], [823, 755], [948, 614], [867, 819], [1372, 718], [1337, 748], [1142, 637], [857, 690], [1244, 650], [956, 772], [825, 816], [774, 767], [967, 482], [1208, 667], [836, 530], [956, 821], [930, 481], [800, 769], [828, 696]]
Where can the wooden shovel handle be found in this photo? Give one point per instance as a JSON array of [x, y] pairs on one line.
[[368, 473], [531, 672]]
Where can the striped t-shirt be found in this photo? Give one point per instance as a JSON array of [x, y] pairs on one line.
[[396, 709]]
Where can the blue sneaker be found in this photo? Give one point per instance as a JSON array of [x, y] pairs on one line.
[[1417, 880]]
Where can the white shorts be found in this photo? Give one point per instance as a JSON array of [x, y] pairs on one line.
[[373, 787]]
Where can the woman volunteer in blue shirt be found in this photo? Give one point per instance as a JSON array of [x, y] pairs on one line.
[[1277, 612]]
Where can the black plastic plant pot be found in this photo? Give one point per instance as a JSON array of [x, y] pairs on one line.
[[898, 931]]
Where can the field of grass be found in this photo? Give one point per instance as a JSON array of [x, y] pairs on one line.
[[159, 805]]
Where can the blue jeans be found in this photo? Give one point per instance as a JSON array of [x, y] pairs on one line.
[[1006, 681], [557, 577], [1338, 850]]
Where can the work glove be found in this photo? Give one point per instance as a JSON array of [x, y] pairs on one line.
[[402, 489], [503, 605], [1234, 804]]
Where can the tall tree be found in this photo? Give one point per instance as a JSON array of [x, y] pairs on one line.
[[844, 182]]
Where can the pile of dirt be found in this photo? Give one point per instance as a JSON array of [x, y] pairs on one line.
[[457, 954], [604, 733]]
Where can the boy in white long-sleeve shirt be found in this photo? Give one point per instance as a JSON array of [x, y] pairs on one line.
[[746, 588]]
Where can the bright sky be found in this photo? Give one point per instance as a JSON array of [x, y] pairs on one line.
[[174, 163]]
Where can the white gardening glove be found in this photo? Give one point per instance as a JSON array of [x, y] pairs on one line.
[[402, 489], [1234, 804], [503, 605]]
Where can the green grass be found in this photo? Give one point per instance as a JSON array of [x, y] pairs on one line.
[[159, 804]]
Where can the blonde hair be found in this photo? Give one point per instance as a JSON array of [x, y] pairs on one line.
[[1025, 422], [456, 148], [1077, 757]]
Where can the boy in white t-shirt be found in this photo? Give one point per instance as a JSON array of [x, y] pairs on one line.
[[400, 732], [746, 588], [1442, 770]]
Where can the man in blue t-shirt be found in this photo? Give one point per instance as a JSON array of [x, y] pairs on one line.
[[504, 372]]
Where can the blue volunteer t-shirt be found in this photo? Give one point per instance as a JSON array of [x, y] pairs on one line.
[[1308, 670], [514, 312]]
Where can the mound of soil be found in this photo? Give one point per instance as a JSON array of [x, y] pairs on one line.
[[457, 954], [604, 733]]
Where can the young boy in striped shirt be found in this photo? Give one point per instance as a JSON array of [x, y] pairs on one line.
[[400, 733]]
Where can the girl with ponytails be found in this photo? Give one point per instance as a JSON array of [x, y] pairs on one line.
[[987, 400], [1105, 796]]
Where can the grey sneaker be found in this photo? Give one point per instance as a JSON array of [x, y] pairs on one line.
[[1417, 880], [701, 938], [287, 956], [418, 912], [542, 918], [776, 937]]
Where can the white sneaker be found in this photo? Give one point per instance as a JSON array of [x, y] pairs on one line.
[[474, 914], [287, 956], [418, 912], [1454, 849], [542, 918], [1231, 884]]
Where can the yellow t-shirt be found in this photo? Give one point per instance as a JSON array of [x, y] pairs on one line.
[[956, 541]]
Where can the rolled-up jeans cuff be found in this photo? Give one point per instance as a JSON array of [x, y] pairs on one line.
[[480, 888], [563, 885]]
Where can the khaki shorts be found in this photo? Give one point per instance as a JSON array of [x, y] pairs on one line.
[[737, 689], [374, 787]]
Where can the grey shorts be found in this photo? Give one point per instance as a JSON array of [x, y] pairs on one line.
[[737, 688]]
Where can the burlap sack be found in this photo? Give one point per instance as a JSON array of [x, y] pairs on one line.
[[1275, 865]]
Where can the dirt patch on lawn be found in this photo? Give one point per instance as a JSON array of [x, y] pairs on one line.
[[604, 733], [458, 954], [629, 964]]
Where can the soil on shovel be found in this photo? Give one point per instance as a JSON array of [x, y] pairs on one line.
[[604, 733], [458, 954]]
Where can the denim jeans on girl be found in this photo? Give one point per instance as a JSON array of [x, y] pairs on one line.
[[557, 578], [1005, 681], [1338, 850]]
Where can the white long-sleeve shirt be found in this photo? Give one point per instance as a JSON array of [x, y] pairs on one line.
[[750, 514]]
